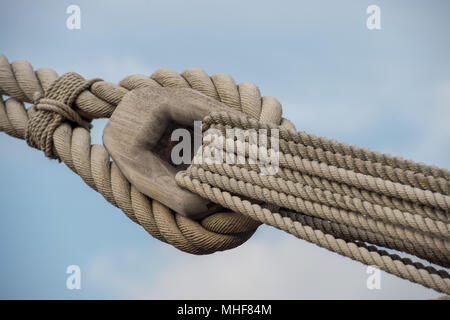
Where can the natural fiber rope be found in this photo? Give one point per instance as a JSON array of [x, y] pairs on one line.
[[50, 112], [300, 203], [352, 234], [71, 144], [363, 195], [333, 215], [342, 196], [349, 177], [438, 280], [373, 169], [337, 200]]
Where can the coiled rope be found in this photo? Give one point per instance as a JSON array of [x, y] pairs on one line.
[[343, 198]]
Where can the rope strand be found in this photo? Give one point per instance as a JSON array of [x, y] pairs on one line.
[[340, 197]]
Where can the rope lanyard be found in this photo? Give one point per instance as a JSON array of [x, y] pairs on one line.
[[347, 199]]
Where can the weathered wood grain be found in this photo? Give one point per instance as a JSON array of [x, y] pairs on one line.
[[134, 132]]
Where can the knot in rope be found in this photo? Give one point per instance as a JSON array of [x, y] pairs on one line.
[[341, 197], [54, 108]]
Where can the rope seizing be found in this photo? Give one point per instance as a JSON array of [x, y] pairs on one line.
[[346, 199]]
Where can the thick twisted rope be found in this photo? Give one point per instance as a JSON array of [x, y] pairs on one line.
[[70, 142], [288, 191], [299, 203], [427, 276], [340, 197], [54, 110], [328, 205]]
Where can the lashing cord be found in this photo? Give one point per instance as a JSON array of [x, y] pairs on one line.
[[344, 198]]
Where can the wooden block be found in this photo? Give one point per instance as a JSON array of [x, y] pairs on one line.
[[133, 136]]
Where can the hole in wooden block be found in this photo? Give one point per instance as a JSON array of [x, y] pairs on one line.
[[138, 137]]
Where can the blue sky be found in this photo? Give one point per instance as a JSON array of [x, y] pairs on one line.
[[388, 90]]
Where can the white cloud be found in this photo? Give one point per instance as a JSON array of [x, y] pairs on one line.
[[274, 265]]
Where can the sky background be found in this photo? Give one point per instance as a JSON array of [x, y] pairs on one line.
[[388, 90]]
